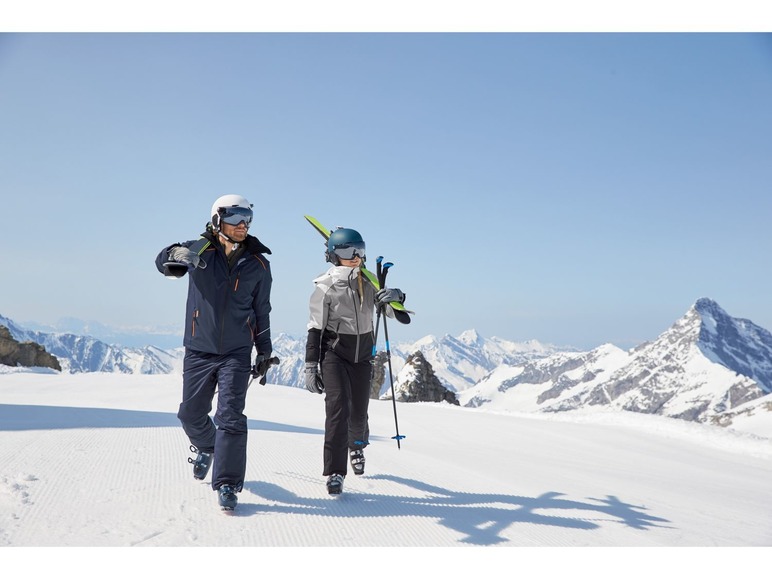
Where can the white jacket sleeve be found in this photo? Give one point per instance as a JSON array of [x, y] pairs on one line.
[[317, 310]]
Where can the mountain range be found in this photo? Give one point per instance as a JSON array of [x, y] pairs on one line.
[[78, 353], [459, 361], [707, 367]]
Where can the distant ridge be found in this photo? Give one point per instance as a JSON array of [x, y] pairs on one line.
[[705, 367], [86, 354]]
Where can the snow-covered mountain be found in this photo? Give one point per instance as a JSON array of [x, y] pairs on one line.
[[86, 354], [165, 338], [707, 366], [459, 362]]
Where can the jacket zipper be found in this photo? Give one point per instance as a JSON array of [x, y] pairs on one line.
[[223, 315], [356, 315]]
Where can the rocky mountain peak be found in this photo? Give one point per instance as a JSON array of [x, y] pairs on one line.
[[736, 343], [470, 338], [417, 382], [709, 307], [28, 354]]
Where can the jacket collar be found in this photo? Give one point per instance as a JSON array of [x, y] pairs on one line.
[[251, 244], [343, 273]]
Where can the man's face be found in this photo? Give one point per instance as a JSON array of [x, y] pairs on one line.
[[237, 233]]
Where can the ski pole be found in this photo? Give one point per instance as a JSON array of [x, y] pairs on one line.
[[379, 270], [374, 361], [382, 283]]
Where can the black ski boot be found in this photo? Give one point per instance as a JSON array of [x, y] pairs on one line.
[[357, 461], [227, 498], [201, 464], [335, 484]]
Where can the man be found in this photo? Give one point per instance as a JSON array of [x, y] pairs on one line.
[[228, 306]]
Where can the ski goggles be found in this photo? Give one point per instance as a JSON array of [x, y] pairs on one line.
[[235, 215], [350, 250]]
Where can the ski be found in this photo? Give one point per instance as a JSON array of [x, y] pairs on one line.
[[400, 313]]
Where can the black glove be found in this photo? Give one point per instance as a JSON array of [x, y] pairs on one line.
[[388, 295], [262, 364], [314, 382]]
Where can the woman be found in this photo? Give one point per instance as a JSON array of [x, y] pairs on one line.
[[339, 352]]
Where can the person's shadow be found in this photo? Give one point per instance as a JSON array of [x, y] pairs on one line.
[[34, 417], [480, 518]]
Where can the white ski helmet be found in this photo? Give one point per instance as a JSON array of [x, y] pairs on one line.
[[242, 208]]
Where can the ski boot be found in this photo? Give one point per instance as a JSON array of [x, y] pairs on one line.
[[201, 464], [335, 484], [226, 496], [357, 461]]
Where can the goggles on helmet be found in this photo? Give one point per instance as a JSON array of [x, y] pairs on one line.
[[235, 215], [350, 250]]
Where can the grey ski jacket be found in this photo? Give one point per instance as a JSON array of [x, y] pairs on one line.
[[341, 316]]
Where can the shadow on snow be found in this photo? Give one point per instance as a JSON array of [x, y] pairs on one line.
[[480, 518], [32, 417]]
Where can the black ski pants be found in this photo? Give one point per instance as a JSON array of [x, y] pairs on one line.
[[228, 375], [346, 400]]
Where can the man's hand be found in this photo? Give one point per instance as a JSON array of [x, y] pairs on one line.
[[187, 257]]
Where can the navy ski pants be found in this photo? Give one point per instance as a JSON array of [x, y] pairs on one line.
[[226, 436], [346, 400]]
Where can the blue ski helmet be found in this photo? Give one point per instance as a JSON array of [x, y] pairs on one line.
[[345, 244]]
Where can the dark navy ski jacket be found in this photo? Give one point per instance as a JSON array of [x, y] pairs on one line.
[[228, 305]]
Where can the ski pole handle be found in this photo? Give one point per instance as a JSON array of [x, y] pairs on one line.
[[256, 372], [379, 271]]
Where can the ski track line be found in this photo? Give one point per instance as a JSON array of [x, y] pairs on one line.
[[133, 486], [100, 490], [283, 480]]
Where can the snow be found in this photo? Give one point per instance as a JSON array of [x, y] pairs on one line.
[[756, 422], [99, 460], [497, 387]]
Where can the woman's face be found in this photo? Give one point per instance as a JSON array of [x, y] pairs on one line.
[[356, 262]]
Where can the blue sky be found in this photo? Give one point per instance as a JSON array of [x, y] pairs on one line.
[[571, 188]]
